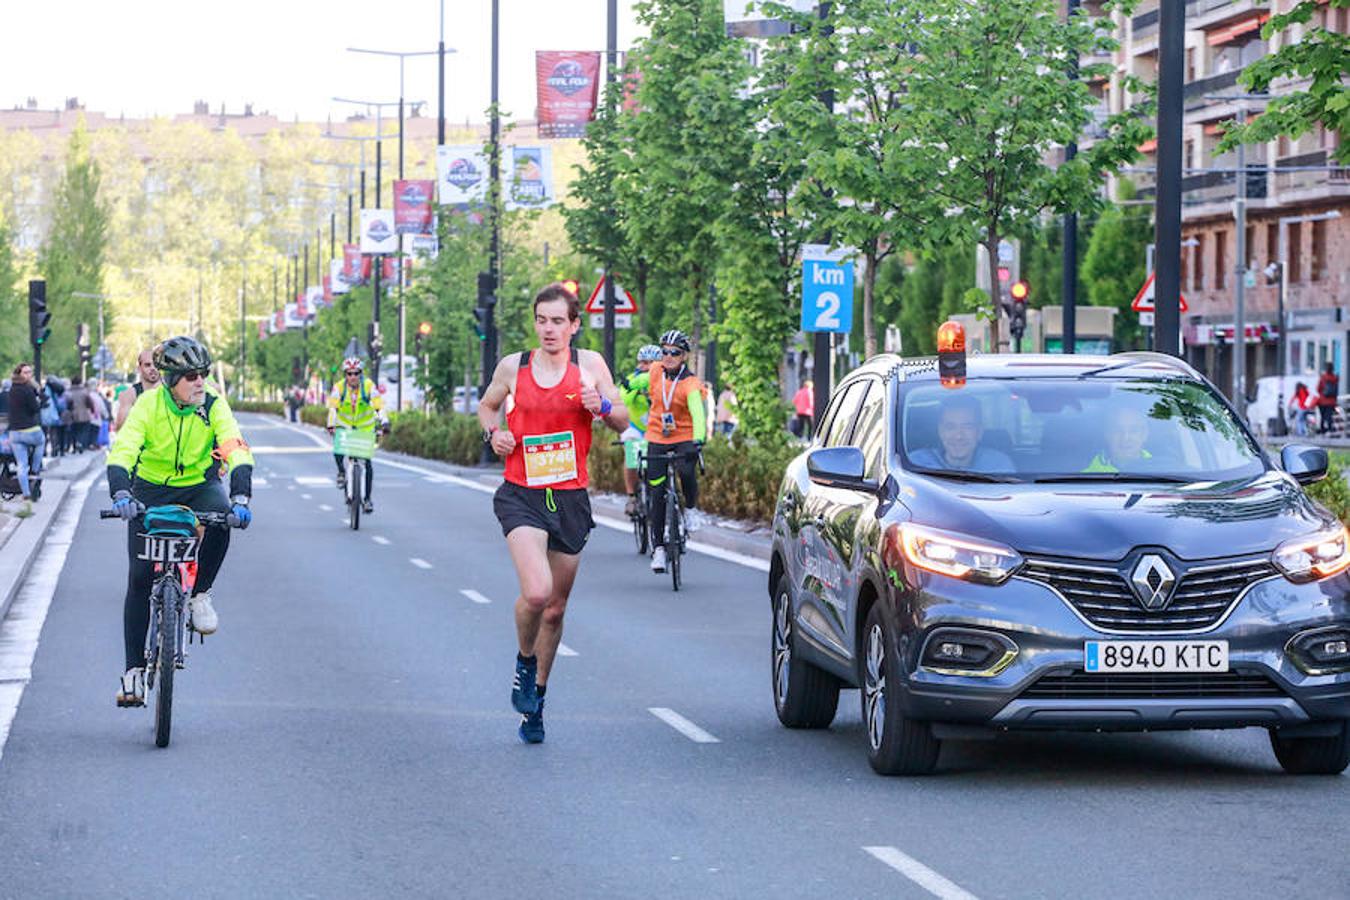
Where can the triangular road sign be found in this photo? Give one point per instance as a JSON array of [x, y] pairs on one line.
[[623, 300], [1143, 301]]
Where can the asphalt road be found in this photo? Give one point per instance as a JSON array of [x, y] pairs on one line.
[[348, 732]]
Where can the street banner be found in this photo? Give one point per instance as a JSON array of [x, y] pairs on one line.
[[420, 246], [337, 277], [461, 175], [301, 308], [262, 329], [377, 231], [314, 299], [412, 205], [827, 289], [567, 85], [294, 319], [529, 177], [352, 264], [278, 321]]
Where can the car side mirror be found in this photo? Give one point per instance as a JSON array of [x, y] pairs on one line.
[[1305, 462], [840, 467]]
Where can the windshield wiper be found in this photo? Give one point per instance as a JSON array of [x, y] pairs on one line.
[[961, 475], [1111, 476]]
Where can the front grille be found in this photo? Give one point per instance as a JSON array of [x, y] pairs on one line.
[[1103, 596], [1080, 685]]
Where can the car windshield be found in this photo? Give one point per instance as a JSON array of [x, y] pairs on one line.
[[1074, 429]]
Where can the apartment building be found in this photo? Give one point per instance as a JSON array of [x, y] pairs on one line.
[[1292, 195]]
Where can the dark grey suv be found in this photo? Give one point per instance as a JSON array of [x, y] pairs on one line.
[[1054, 542]]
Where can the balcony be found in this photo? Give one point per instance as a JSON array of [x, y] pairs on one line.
[[1145, 24], [1193, 94], [1303, 185], [1205, 188]]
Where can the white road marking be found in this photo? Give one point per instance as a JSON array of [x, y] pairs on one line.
[[380, 539], [564, 650], [313, 481], [420, 563], [306, 497], [731, 556], [475, 596], [274, 451], [260, 482], [103, 485], [920, 874], [21, 629], [438, 477], [682, 725], [325, 507], [290, 487]]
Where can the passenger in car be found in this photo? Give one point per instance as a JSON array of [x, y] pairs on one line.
[[959, 433], [1125, 436]]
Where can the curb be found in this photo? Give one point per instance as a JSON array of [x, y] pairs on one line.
[[744, 538], [30, 535]]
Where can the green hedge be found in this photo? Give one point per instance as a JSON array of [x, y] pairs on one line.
[[1332, 491], [455, 438], [257, 406], [314, 415]]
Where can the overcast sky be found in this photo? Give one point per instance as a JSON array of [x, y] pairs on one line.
[[288, 57]]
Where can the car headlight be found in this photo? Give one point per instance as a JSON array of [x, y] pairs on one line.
[[1313, 557], [956, 555]]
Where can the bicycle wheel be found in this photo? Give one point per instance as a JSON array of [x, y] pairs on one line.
[[674, 537], [642, 535], [354, 494], [166, 652]]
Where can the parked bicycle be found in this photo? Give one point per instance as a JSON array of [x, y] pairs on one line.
[[676, 532], [170, 539]]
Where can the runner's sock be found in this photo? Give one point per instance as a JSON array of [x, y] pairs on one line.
[[542, 688], [530, 660]]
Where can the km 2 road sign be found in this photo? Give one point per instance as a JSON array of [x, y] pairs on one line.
[[827, 289]]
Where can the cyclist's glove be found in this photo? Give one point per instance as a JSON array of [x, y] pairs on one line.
[[239, 517], [127, 506]]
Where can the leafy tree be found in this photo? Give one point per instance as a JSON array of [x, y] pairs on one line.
[[13, 304], [1322, 57], [1114, 265], [72, 257]]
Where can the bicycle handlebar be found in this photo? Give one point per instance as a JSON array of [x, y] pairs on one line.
[[204, 517]]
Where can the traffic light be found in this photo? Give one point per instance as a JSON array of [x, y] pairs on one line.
[[38, 317], [82, 341], [572, 285], [424, 329], [1020, 291]]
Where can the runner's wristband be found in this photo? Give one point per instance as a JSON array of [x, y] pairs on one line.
[[605, 407]]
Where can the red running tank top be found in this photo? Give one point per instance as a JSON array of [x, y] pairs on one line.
[[552, 430]]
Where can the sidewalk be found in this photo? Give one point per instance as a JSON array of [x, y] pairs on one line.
[[22, 539], [748, 539]]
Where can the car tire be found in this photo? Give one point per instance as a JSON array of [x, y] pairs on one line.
[[804, 696], [896, 744], [1313, 755]]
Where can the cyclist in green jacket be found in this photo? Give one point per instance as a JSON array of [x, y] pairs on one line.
[[633, 391], [171, 441]]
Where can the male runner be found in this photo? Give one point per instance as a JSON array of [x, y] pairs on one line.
[[545, 513], [148, 381]]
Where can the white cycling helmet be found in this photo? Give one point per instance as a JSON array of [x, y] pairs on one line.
[[352, 364], [649, 353]]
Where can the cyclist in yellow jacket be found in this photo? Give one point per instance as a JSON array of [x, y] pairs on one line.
[[356, 403], [172, 440]]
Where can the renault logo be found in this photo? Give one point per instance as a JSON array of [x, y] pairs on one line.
[[1153, 582]]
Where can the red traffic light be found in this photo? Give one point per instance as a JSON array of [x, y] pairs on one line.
[[1004, 273], [1020, 291], [424, 328], [572, 285]]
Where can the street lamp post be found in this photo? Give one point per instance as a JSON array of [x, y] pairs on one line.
[[1171, 72]]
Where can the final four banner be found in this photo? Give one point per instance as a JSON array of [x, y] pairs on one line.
[[461, 175], [337, 278], [377, 231], [529, 177], [568, 84], [351, 264], [412, 206]]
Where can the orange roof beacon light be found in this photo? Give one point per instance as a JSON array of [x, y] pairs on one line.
[[1020, 291], [951, 348], [424, 328]]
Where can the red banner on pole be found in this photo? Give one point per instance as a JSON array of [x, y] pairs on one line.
[[300, 308], [262, 330], [279, 321], [328, 290], [412, 205], [352, 264], [568, 83]]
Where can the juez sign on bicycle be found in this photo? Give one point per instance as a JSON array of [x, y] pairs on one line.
[[827, 288]]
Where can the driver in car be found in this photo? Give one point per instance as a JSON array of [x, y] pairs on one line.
[[959, 433], [1125, 436]]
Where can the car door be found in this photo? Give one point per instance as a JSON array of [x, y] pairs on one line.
[[834, 513]]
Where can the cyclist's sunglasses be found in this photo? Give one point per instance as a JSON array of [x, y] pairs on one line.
[[673, 352], [195, 375]]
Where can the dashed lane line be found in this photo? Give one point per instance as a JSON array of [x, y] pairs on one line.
[[325, 507], [420, 563], [475, 596], [917, 872], [564, 650], [306, 496], [682, 725], [380, 539]]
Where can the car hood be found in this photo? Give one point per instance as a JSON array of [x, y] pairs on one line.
[[1106, 521]]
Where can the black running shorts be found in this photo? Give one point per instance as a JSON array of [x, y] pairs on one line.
[[564, 514]]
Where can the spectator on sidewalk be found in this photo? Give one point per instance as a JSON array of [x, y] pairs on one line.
[[1301, 405], [1328, 390], [726, 420], [804, 403], [81, 413], [25, 430]]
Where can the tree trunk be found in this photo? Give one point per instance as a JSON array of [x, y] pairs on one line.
[[996, 342], [869, 295]]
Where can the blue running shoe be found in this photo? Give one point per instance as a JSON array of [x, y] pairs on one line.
[[532, 726], [524, 691]]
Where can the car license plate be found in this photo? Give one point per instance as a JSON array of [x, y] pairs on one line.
[[1155, 656]]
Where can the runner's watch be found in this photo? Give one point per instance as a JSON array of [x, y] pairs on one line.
[[488, 433]]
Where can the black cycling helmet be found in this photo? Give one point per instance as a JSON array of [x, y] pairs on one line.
[[676, 338], [180, 355]]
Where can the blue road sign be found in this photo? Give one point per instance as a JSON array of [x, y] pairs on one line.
[[827, 290]]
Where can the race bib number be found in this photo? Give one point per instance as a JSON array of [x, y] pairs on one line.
[[550, 458]]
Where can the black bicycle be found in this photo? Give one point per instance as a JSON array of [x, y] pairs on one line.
[[638, 517], [676, 534], [171, 539]]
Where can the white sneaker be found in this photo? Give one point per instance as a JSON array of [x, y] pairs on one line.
[[659, 559], [132, 692], [204, 620]]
